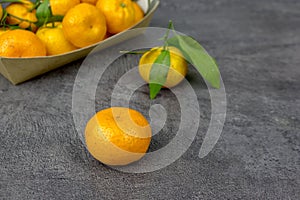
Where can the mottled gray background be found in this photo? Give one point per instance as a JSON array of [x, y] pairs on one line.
[[257, 46]]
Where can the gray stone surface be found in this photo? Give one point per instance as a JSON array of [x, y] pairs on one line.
[[257, 46]]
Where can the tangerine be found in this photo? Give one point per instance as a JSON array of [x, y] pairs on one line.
[[120, 14], [84, 25], [21, 43], [59, 7], [54, 39], [178, 65], [118, 136]]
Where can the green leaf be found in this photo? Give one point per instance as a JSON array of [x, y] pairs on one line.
[[56, 18], [159, 72], [195, 54], [43, 13]]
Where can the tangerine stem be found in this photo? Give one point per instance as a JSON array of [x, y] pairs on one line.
[[21, 19], [123, 5], [133, 52]]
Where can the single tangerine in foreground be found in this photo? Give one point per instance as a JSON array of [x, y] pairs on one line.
[[118, 136]]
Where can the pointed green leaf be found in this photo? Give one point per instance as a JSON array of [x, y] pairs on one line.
[[159, 72], [195, 54], [43, 13]]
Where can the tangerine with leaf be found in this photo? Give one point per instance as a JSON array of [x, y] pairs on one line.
[[166, 66]]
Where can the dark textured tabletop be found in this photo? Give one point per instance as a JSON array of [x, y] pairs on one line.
[[257, 46]]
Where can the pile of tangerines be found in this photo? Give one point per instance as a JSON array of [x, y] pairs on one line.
[[31, 29]]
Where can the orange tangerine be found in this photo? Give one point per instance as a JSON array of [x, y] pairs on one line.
[[84, 25], [119, 14], [118, 136], [21, 43], [61, 7], [54, 39]]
